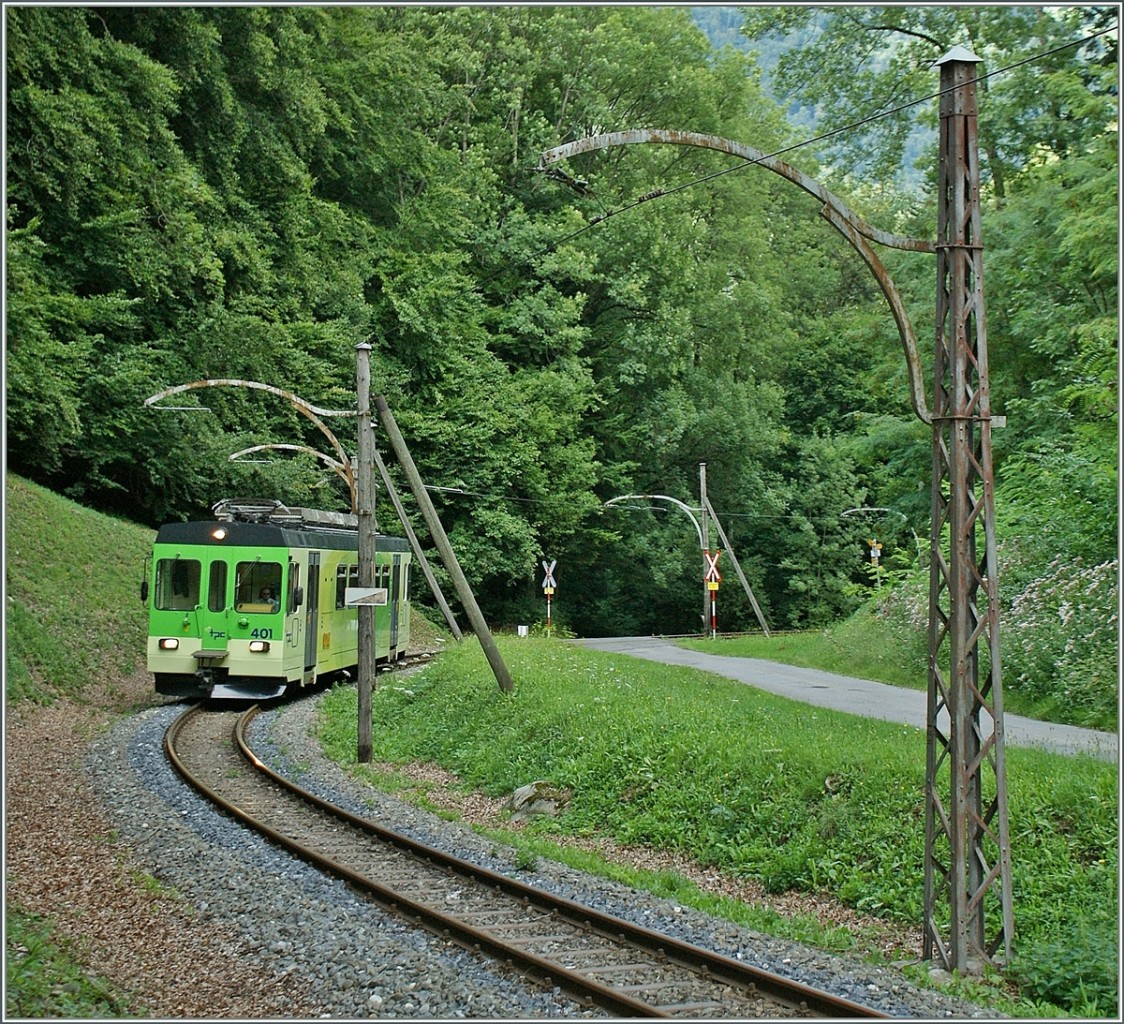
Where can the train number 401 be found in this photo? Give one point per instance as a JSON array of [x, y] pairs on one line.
[[262, 634]]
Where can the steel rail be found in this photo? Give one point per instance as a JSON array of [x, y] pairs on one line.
[[666, 949]]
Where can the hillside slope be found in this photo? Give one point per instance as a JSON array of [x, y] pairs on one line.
[[73, 595]]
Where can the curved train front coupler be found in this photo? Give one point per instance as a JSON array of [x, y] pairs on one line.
[[255, 602]]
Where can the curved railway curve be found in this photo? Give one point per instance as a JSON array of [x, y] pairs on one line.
[[598, 959]]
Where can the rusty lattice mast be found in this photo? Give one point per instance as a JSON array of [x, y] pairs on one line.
[[967, 848], [968, 912]]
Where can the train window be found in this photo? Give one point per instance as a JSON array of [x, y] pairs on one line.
[[346, 576], [257, 587], [294, 588], [341, 586], [216, 588], [177, 584]]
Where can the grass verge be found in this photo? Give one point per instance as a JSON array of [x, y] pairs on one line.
[[850, 649], [788, 795], [45, 976]]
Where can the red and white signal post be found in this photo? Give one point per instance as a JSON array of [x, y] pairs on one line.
[[548, 586], [712, 578]]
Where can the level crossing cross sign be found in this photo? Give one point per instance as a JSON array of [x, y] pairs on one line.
[[548, 584], [712, 574]]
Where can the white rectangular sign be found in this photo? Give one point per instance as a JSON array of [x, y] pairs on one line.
[[354, 596]]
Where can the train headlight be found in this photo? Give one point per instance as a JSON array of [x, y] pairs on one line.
[[259, 646], [219, 533], [169, 643]]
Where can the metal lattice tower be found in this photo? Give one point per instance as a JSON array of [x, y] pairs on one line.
[[967, 848], [968, 913]]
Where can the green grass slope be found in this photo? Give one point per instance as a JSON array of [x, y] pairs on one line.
[[74, 613], [794, 796]]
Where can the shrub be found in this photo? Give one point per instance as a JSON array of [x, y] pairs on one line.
[[1079, 968], [1058, 635], [1059, 640]]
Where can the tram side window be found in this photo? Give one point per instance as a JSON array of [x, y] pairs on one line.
[[294, 585], [341, 586], [177, 584], [258, 587], [346, 576]]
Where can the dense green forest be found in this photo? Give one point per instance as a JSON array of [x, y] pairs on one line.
[[249, 192]]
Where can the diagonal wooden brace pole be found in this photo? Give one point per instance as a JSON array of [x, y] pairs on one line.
[[448, 556], [412, 537], [737, 567]]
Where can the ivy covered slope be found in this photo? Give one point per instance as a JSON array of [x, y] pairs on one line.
[[239, 192]]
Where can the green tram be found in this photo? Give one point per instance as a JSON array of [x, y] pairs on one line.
[[257, 601]]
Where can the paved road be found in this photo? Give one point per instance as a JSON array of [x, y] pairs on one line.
[[857, 696]]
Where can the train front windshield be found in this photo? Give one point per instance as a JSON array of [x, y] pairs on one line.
[[179, 586], [257, 587]]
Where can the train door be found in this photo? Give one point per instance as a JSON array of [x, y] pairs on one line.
[[311, 616], [395, 602], [215, 630]]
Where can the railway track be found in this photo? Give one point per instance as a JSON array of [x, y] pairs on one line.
[[597, 959]]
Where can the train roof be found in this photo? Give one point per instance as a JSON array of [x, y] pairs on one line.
[[268, 523], [267, 510]]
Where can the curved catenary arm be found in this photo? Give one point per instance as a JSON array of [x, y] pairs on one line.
[[664, 497], [849, 224], [756, 156], [341, 470], [311, 412]]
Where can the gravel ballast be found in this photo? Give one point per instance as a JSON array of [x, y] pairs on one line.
[[299, 931]]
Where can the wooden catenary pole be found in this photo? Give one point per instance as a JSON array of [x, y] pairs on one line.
[[365, 511]]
